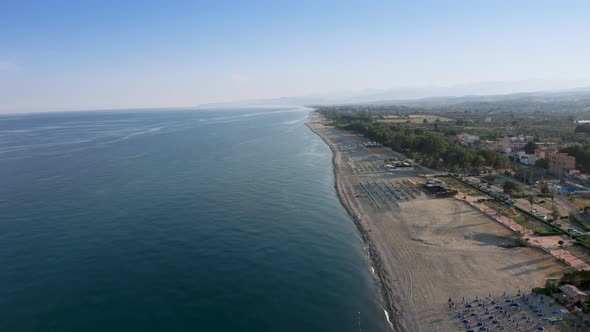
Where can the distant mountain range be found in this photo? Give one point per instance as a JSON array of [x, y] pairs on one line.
[[488, 92]]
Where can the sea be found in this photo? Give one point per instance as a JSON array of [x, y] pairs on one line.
[[177, 220]]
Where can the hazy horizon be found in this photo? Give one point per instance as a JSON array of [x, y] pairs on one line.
[[70, 56]]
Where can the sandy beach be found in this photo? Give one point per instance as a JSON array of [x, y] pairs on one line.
[[427, 250]]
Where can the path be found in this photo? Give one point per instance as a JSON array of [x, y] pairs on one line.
[[547, 243]]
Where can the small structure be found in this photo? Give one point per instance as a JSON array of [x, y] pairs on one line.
[[398, 165], [439, 189], [526, 159], [572, 293], [373, 145]]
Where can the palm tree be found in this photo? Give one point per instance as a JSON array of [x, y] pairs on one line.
[[555, 213], [531, 200], [560, 243]]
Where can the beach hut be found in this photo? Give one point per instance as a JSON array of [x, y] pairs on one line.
[[572, 293]]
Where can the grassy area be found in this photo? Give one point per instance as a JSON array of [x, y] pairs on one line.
[[414, 118], [520, 218], [458, 185], [580, 201], [580, 252]]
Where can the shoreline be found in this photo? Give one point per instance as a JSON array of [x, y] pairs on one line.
[[385, 290], [425, 251]]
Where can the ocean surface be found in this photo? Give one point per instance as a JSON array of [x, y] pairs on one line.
[[212, 220]]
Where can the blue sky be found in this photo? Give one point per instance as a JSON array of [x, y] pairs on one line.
[[64, 55]]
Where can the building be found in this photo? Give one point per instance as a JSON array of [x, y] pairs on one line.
[[515, 143], [467, 138], [561, 163], [546, 145], [526, 159], [503, 144], [543, 153], [572, 293], [518, 144]]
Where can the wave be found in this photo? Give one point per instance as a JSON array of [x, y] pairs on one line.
[[387, 319], [234, 118]]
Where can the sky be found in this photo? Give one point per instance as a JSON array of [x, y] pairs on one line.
[[70, 55]]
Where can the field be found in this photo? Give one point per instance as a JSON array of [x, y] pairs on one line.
[[580, 252], [581, 201], [414, 118]]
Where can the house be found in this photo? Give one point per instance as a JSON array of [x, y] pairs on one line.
[[467, 138], [572, 293], [515, 143], [547, 145], [526, 159], [561, 163], [543, 153]]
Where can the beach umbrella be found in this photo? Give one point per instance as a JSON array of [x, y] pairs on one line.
[[540, 328], [466, 321]]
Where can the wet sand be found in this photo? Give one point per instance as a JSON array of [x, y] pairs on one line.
[[426, 250]]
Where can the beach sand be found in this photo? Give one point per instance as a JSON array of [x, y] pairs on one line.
[[429, 250]]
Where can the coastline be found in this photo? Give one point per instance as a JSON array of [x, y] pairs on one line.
[[386, 292], [426, 250]]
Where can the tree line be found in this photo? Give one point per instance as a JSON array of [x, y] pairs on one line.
[[434, 149]]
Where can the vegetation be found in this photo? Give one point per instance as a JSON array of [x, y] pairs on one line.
[[530, 147], [580, 252], [555, 212], [531, 200], [580, 279], [549, 289], [574, 219], [542, 163], [490, 178], [521, 218], [412, 118], [511, 187], [433, 148]]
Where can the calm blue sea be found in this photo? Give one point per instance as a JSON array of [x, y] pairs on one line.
[[218, 220]]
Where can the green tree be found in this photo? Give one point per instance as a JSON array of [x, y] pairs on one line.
[[555, 213], [542, 163], [490, 178], [545, 188], [550, 288], [531, 200], [530, 147], [511, 187]]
